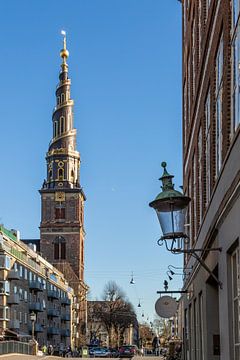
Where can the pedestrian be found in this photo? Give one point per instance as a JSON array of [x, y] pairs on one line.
[[50, 349], [44, 349]]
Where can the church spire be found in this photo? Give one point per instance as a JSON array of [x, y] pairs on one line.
[[63, 159]]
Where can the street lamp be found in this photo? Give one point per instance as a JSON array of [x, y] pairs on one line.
[[33, 320], [170, 206]]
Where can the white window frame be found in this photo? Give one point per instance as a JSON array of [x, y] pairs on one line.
[[194, 184], [199, 157], [194, 56], [208, 146], [199, 29], [218, 117], [235, 67]]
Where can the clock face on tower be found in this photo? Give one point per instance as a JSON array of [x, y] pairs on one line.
[[59, 196]]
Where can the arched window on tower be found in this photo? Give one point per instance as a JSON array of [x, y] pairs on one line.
[[62, 124], [62, 97], [59, 244], [55, 129], [72, 176], [60, 174]]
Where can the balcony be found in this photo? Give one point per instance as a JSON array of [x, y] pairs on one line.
[[13, 275], [53, 330], [35, 306], [53, 313], [35, 285], [65, 332], [38, 328], [65, 301], [52, 294], [65, 317], [13, 299], [14, 324]]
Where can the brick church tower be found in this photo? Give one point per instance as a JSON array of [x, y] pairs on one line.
[[62, 198]]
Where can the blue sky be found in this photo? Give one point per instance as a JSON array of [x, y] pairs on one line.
[[125, 66]]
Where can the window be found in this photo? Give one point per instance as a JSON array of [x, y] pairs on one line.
[[25, 318], [236, 78], [25, 296], [60, 174], [190, 209], [208, 3], [189, 88], [4, 313], [15, 290], [21, 293], [59, 248], [199, 28], [199, 169], [218, 94], [185, 112], [20, 317], [60, 213], [55, 129], [208, 148], [21, 271], [235, 272], [194, 175], [62, 124], [62, 97], [25, 274], [5, 262], [30, 276], [194, 55], [4, 287], [44, 284], [235, 11]]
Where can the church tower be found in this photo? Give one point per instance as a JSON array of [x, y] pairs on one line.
[[62, 198]]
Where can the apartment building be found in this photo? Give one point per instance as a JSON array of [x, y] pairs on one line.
[[31, 285]]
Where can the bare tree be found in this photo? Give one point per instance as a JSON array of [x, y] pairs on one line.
[[115, 312]]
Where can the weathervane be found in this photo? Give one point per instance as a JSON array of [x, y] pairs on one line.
[[64, 52]]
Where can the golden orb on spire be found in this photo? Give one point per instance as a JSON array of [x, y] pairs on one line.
[[64, 53]]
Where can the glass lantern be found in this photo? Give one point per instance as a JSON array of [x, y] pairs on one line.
[[170, 206]]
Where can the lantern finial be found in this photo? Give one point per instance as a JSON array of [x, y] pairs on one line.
[[166, 178]]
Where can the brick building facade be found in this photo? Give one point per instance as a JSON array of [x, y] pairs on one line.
[[211, 168]]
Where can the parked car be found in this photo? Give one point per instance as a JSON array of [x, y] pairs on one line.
[[128, 351], [114, 352], [99, 352]]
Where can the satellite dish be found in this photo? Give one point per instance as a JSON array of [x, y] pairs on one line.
[[166, 306]]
